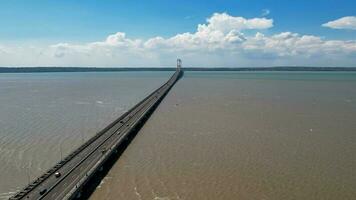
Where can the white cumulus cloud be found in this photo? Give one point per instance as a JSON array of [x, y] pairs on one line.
[[224, 22], [220, 32], [348, 22]]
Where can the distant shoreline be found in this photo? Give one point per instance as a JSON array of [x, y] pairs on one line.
[[127, 69]]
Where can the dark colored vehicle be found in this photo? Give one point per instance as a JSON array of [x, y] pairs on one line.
[[43, 191], [103, 151]]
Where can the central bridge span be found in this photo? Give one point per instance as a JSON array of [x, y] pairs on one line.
[[70, 177]]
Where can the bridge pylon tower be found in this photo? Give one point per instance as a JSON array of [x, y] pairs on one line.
[[179, 63]]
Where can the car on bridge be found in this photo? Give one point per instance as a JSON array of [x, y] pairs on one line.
[[57, 174]]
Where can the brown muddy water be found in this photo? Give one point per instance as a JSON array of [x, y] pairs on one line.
[[264, 135], [42, 114]]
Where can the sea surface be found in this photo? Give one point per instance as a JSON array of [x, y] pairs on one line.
[[244, 135], [45, 116]]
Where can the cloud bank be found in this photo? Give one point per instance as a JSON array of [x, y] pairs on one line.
[[342, 23], [222, 41]]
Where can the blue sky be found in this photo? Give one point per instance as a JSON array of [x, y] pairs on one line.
[[73, 20], [43, 24]]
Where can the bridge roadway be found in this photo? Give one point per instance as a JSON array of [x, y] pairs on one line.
[[78, 167]]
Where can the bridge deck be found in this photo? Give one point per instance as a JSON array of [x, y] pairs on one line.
[[77, 168]]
